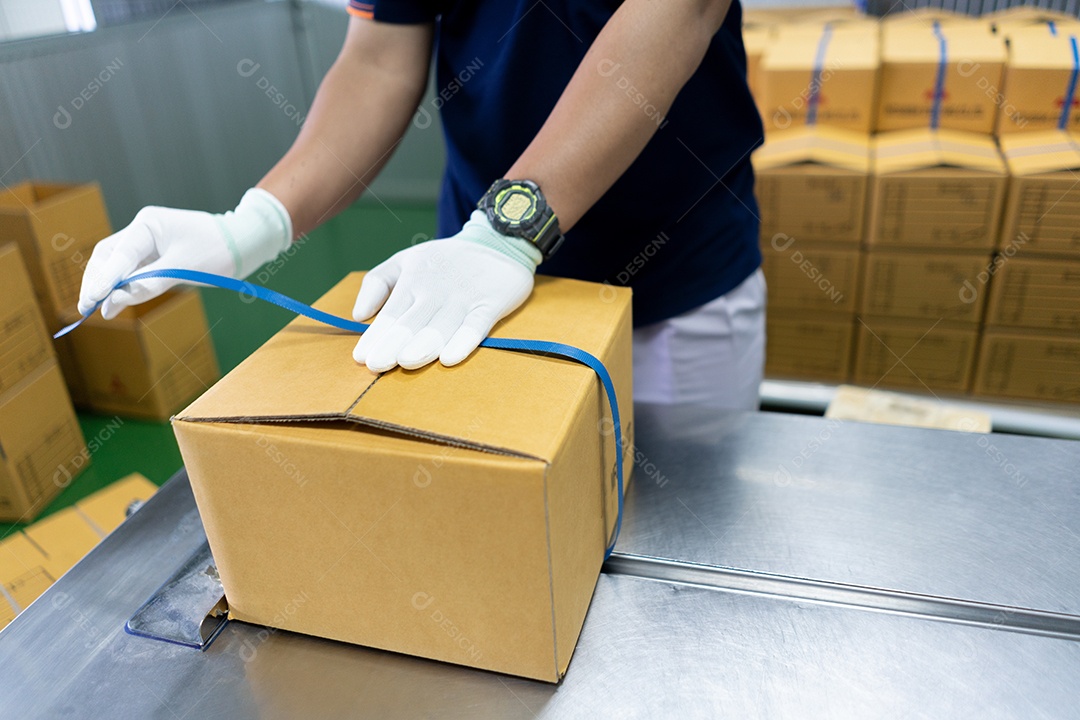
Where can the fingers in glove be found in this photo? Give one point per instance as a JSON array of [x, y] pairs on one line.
[[137, 292], [376, 288], [399, 302], [113, 259], [474, 328], [387, 346], [426, 344]]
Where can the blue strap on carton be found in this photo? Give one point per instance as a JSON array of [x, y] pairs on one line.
[[541, 347], [939, 81], [1070, 90], [815, 76]]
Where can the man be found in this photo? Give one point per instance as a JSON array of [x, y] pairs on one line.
[[627, 126]]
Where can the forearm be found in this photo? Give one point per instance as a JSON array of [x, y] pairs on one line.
[[360, 112], [598, 128]]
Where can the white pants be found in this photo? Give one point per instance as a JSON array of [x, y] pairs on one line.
[[713, 355]]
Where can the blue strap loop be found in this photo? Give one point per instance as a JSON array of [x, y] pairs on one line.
[[1070, 89], [815, 75], [543, 347], [939, 81]]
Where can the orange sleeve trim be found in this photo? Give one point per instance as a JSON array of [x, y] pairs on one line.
[[357, 12]]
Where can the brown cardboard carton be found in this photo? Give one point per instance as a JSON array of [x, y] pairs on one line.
[[24, 343], [1029, 366], [149, 361], [56, 227], [910, 59], [808, 277], [808, 346], [926, 356], [939, 190], [42, 444], [1042, 214], [827, 75], [458, 514], [889, 408], [812, 185], [1042, 294], [1040, 90], [32, 560], [923, 285]]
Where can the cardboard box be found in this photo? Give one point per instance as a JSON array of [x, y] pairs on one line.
[[922, 285], [808, 277], [56, 227], [1042, 214], [458, 514], [888, 408], [1041, 294], [1029, 366], [32, 560], [42, 443], [811, 184], [150, 360], [911, 55], [808, 346], [939, 190], [926, 356], [24, 343], [1039, 87], [826, 75]]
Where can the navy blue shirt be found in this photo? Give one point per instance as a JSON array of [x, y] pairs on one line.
[[680, 226]]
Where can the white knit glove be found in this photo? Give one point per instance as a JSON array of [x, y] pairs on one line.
[[442, 297], [234, 243]]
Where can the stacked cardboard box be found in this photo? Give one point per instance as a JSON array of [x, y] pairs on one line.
[[1039, 88], [936, 73], [1031, 342], [56, 227], [32, 560], [41, 444], [936, 201], [1006, 22], [812, 186], [149, 362], [824, 74]]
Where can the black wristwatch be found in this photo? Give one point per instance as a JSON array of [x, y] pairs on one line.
[[518, 208]]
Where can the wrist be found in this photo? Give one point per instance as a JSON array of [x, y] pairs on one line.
[[256, 231], [479, 230]]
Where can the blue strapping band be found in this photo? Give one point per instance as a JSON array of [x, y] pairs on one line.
[[815, 76], [939, 82], [1070, 91], [542, 347], [1053, 28]]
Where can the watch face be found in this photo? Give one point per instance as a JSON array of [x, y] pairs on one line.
[[515, 205]]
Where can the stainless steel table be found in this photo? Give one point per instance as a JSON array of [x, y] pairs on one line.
[[770, 566]]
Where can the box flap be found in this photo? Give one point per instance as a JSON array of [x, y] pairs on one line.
[[1035, 47], [923, 148], [1040, 152], [925, 16], [816, 144], [917, 43], [850, 47], [306, 372]]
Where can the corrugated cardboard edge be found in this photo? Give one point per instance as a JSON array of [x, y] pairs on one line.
[[1040, 152], [833, 147], [924, 148]]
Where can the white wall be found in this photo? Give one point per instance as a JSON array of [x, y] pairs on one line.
[[30, 18]]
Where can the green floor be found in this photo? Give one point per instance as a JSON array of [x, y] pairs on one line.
[[357, 239]]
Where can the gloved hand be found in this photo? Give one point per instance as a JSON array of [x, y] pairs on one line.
[[234, 243], [444, 296]]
